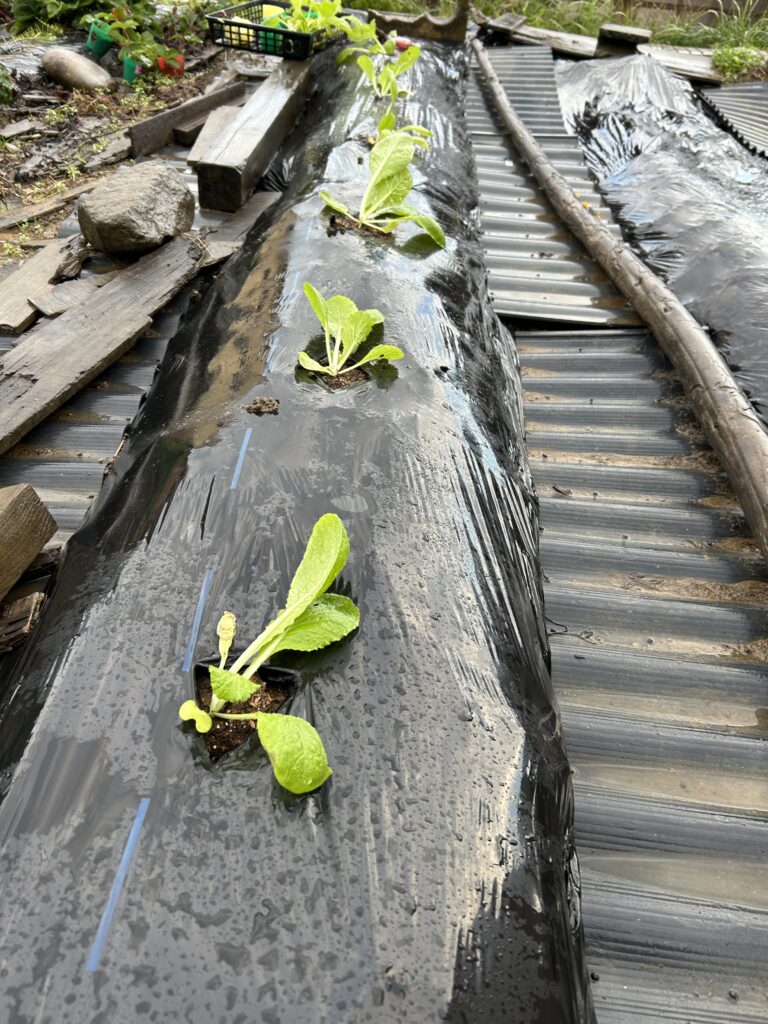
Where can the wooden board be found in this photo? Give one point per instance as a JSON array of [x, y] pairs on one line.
[[58, 298], [25, 527], [620, 40], [561, 42], [690, 62], [16, 128], [228, 170], [225, 240], [60, 258], [35, 210], [63, 355], [17, 620], [157, 131], [217, 121]]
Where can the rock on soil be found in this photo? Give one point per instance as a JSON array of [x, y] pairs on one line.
[[137, 209], [74, 71]]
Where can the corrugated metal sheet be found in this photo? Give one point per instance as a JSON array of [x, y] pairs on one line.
[[537, 269], [656, 601], [744, 108]]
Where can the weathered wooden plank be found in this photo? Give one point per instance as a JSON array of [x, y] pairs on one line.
[[186, 133], [19, 214], [561, 42], [64, 355], [620, 40], [60, 258], [505, 23], [58, 298], [229, 169], [690, 62], [225, 240], [25, 527], [17, 128], [157, 131], [217, 121], [18, 618]]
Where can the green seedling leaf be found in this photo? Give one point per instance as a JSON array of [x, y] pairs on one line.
[[327, 620], [406, 60], [318, 304], [334, 204], [366, 66], [432, 228], [380, 352], [296, 751], [226, 630], [229, 687], [324, 558], [189, 711], [310, 364], [387, 123]]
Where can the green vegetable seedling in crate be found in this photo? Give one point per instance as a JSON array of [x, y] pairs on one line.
[[295, 30]]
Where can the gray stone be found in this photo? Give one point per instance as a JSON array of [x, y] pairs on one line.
[[74, 71], [137, 209]]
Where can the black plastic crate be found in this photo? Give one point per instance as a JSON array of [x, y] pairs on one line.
[[249, 34]]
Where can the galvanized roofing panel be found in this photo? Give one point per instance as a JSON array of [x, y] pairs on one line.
[[537, 269], [656, 602], [744, 108]]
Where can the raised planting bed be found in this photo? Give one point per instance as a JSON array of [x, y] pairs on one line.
[[393, 841]]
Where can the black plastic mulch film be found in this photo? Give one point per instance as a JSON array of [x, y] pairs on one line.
[[433, 878], [692, 198]]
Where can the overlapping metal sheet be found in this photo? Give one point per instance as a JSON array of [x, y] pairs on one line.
[[536, 268], [656, 602], [744, 109]]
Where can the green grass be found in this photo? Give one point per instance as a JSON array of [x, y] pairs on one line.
[[736, 38]]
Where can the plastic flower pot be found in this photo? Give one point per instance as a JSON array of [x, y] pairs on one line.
[[132, 68], [99, 38], [171, 66]]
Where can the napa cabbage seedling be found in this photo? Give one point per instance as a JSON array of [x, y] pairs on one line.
[[387, 125], [364, 39], [310, 620], [383, 206], [346, 328], [384, 83]]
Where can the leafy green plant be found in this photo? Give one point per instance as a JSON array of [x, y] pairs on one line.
[[346, 328], [383, 205], [308, 16], [384, 83], [7, 86], [364, 39], [387, 125], [311, 619], [739, 62]]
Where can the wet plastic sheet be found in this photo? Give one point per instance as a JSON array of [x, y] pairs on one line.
[[692, 198], [433, 878]]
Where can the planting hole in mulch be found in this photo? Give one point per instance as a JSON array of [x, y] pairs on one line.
[[264, 406], [344, 380], [226, 736], [338, 225]]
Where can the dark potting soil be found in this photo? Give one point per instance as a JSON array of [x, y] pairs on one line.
[[337, 225], [344, 380], [264, 406], [225, 735]]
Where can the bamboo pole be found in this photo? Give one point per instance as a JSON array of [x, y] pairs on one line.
[[731, 424]]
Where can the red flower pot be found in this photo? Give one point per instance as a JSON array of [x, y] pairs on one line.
[[171, 66]]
